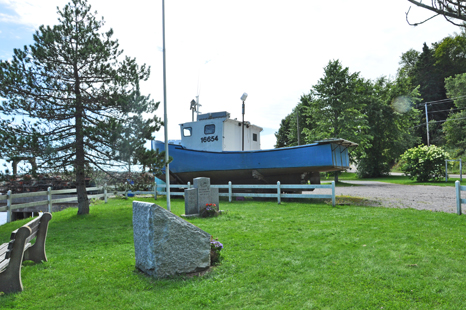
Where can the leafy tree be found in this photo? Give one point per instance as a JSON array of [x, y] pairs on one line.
[[391, 118], [338, 105], [424, 163], [455, 126], [299, 119], [450, 55], [337, 110], [75, 87], [283, 132], [407, 63]]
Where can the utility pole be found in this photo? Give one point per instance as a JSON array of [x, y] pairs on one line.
[[165, 117], [427, 125]]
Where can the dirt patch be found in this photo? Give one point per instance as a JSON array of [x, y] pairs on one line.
[[359, 201], [420, 197]]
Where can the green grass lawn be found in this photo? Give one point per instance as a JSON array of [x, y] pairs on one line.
[[297, 255]]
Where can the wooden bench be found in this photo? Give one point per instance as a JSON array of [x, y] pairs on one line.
[[19, 249]]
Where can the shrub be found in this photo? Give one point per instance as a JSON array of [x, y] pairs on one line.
[[424, 163], [209, 210], [215, 248]]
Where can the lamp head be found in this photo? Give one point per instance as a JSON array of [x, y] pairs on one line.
[[244, 96]]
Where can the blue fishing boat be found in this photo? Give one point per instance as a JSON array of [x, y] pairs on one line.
[[225, 149]]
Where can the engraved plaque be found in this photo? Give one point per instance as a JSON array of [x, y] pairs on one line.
[[190, 201]]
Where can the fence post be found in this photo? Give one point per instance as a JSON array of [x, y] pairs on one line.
[[333, 194], [458, 197], [446, 170], [230, 191], [279, 198], [189, 185], [461, 170], [49, 199], [105, 193], [126, 190], [8, 206], [155, 190]]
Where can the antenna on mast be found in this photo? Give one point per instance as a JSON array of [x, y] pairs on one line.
[[194, 107]]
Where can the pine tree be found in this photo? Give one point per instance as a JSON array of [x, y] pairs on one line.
[[75, 87]]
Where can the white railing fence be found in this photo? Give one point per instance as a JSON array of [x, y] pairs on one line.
[[280, 190], [107, 191]]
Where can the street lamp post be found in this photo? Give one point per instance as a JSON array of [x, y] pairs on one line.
[[243, 98]]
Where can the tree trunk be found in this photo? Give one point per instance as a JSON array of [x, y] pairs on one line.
[[336, 176], [14, 165], [83, 201]]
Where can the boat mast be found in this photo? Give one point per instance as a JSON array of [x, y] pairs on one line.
[[195, 107]]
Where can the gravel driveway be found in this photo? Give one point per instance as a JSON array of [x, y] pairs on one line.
[[434, 198]]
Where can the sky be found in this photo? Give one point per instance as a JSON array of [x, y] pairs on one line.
[[273, 50]]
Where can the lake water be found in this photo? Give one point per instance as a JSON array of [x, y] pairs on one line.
[[2, 218]]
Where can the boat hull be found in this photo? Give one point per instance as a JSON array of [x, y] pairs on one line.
[[291, 165]]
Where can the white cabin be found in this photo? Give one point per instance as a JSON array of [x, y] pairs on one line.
[[216, 132]]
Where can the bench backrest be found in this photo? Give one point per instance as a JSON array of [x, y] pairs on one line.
[[38, 229]]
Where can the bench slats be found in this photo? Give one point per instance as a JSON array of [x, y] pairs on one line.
[[32, 236], [3, 249], [9, 249], [34, 225], [4, 263]]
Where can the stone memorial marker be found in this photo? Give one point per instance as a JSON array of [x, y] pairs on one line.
[[196, 198], [190, 201], [167, 245]]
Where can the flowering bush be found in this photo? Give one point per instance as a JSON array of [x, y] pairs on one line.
[[215, 248], [209, 210], [424, 163]]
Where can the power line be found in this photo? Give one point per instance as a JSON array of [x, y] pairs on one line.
[[442, 121], [440, 101], [450, 110]]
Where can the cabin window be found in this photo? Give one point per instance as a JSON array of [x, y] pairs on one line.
[[209, 129], [187, 132], [254, 137]]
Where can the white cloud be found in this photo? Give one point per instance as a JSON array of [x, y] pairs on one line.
[[32, 13]]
